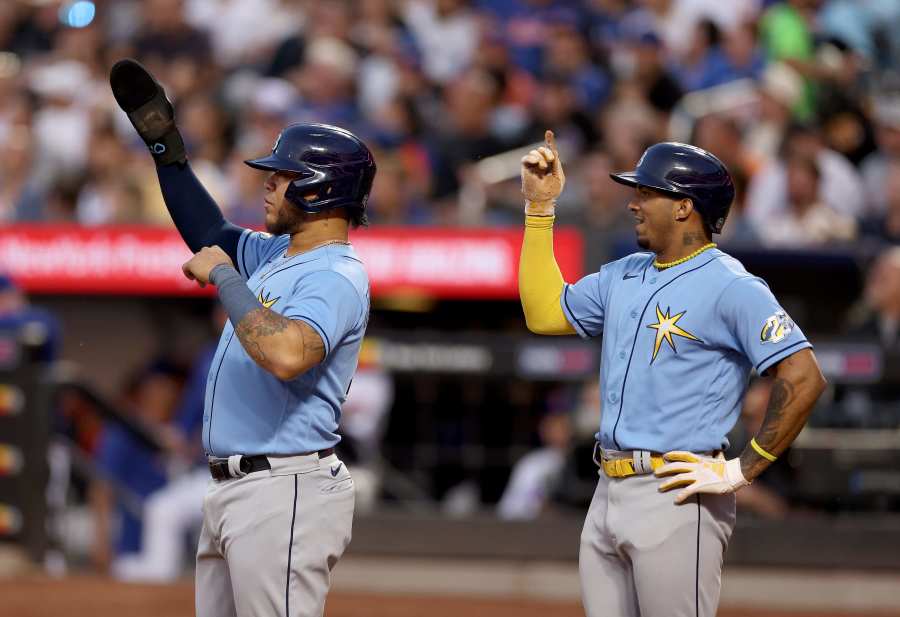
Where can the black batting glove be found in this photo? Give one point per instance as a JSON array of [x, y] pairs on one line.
[[143, 99]]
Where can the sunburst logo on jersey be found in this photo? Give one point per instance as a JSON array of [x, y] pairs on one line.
[[267, 300], [665, 327]]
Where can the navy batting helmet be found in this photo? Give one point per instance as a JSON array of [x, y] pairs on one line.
[[335, 168], [685, 171]]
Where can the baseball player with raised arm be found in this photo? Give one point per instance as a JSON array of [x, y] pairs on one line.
[[278, 511], [683, 325]]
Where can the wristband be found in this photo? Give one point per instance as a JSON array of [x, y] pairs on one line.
[[539, 222], [236, 297], [759, 450]]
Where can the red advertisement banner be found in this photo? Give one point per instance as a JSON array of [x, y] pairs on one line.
[[437, 262]]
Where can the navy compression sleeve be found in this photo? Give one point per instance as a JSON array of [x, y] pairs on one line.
[[196, 215]]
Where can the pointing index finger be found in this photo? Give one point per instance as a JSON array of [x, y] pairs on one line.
[[550, 139]]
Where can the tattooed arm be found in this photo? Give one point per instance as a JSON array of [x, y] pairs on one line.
[[284, 347], [797, 384]]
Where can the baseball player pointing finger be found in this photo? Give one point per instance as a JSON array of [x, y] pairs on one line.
[[683, 325]]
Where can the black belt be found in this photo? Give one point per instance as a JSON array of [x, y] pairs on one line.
[[218, 468]]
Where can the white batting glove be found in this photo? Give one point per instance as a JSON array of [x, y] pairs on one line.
[[700, 474]]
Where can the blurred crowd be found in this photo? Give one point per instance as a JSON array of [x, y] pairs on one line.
[[801, 99]]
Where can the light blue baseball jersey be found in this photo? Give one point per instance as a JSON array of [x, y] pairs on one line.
[[678, 347], [247, 409]]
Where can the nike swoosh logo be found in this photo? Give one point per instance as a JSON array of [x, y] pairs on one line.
[[630, 276], [335, 470]]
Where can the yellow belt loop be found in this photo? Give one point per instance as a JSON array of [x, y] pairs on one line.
[[769, 457]]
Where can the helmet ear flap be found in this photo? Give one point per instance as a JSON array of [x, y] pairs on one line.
[[294, 194]]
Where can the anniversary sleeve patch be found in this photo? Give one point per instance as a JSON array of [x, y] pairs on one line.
[[776, 328]]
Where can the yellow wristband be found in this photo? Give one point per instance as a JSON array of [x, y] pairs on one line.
[[538, 221], [769, 457]]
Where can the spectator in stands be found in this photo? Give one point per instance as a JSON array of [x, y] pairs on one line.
[[19, 319], [671, 20], [578, 478], [130, 469], [786, 33], [22, 190], [597, 206], [884, 226], [555, 103], [779, 89], [525, 26], [325, 82], [166, 37], [394, 199], [743, 58], [62, 122], [876, 166], [876, 320], [880, 320], [364, 419], [840, 186], [242, 33], [847, 130], [518, 86], [174, 511], [805, 221], [534, 476], [464, 135], [646, 68], [446, 34], [705, 64], [567, 56], [110, 193]]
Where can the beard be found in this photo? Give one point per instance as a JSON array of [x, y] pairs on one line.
[[287, 220]]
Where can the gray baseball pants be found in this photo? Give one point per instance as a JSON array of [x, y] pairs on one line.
[[643, 556], [271, 539]]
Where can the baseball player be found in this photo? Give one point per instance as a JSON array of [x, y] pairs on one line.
[[278, 511], [683, 324]]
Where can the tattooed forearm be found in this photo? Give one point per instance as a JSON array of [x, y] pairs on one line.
[[312, 344], [283, 346], [777, 430], [257, 324], [795, 388], [780, 397]]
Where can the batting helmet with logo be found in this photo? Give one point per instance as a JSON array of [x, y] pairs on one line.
[[685, 171], [335, 169]]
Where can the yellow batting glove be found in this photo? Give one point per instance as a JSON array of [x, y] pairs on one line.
[[700, 474]]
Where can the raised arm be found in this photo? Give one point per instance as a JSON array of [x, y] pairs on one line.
[[797, 385], [540, 280], [196, 215]]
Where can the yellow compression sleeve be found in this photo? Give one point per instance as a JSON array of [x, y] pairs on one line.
[[540, 281]]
